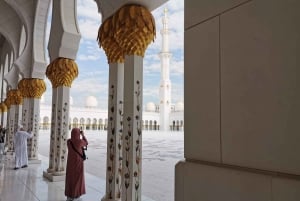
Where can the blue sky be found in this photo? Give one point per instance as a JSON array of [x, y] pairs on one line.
[[92, 62]]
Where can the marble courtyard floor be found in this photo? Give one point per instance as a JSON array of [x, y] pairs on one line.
[[161, 151]]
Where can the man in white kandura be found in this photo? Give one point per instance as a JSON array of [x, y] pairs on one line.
[[20, 143]]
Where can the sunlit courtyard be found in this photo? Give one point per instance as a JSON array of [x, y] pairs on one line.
[[161, 151]]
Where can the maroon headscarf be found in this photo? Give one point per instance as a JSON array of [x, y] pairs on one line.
[[75, 134], [75, 138]]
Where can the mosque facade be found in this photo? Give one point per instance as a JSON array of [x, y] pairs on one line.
[[90, 117]]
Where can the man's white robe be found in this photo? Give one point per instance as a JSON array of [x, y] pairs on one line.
[[20, 143]]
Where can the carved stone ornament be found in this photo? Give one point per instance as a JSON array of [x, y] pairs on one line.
[[15, 97], [3, 107], [134, 29], [129, 31], [106, 40], [7, 103], [32, 87], [62, 72]]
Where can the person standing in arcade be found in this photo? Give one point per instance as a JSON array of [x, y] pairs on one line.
[[75, 182]]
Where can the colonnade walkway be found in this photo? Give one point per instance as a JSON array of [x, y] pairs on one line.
[[28, 184]]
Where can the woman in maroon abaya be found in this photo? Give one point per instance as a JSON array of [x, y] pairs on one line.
[[75, 183]]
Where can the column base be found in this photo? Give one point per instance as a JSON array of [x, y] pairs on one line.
[[106, 199], [54, 177], [34, 161], [9, 153], [50, 170]]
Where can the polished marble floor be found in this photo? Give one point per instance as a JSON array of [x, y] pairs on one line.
[[28, 184]]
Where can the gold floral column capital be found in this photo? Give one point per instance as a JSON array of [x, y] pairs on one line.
[[62, 72], [7, 103], [107, 41], [32, 87], [15, 97], [3, 107], [134, 29]]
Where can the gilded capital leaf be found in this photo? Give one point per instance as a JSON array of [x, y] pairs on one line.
[[15, 97], [134, 29], [32, 87], [62, 72], [107, 41], [3, 107], [7, 103]]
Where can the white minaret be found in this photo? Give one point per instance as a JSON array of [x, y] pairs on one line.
[[165, 83]]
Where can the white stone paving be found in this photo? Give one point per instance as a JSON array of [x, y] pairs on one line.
[[161, 151]]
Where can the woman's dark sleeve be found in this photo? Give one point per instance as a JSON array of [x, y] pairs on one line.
[[85, 142]]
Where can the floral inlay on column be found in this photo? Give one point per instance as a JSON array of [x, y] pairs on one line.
[[61, 72], [14, 99], [139, 137], [115, 56], [138, 144], [134, 30], [9, 132], [31, 89], [120, 133], [52, 140], [110, 165], [128, 32]]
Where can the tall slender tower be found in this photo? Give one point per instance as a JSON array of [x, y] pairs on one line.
[[165, 83]]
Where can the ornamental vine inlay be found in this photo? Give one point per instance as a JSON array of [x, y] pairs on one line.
[[138, 143], [113, 150], [120, 132], [111, 146], [52, 140], [137, 158]]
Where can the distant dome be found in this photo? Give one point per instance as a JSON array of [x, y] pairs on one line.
[[179, 106], [91, 101], [150, 107]]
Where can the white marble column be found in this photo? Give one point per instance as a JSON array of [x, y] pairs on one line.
[[15, 100], [52, 149], [35, 121], [5, 121], [26, 113], [115, 59], [114, 132], [3, 114], [61, 72], [126, 37], [63, 46], [31, 118], [62, 129], [10, 130], [132, 128], [32, 90]]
